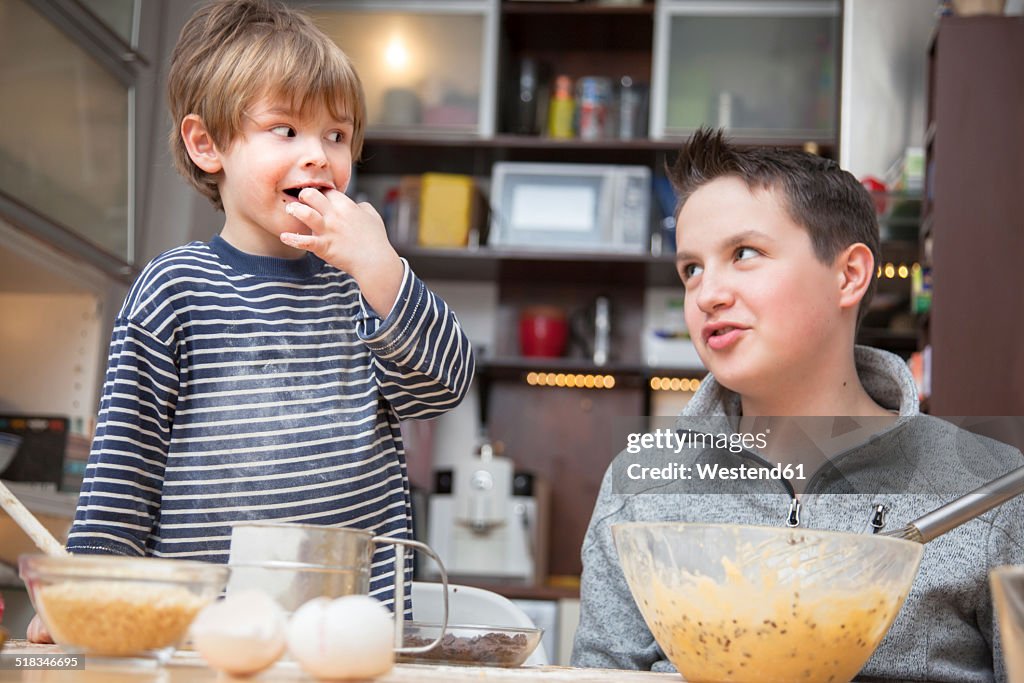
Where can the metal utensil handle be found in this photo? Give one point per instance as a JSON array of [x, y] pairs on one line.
[[39, 534], [400, 592], [967, 507]]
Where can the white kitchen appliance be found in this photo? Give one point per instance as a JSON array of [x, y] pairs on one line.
[[580, 207], [666, 339], [481, 529]]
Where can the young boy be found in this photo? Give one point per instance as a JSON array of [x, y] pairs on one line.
[[777, 252], [262, 375]]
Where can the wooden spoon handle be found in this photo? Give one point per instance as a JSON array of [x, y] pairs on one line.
[[39, 534]]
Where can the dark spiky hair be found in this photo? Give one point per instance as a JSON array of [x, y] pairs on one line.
[[824, 199]]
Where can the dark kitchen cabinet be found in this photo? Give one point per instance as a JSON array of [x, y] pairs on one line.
[[973, 231], [562, 433]]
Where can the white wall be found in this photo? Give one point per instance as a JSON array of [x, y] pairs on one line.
[[55, 369], [58, 313]]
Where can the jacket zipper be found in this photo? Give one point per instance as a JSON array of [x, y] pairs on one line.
[[793, 514], [878, 518]]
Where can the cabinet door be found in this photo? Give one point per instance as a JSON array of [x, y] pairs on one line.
[[119, 16], [760, 69], [425, 67], [65, 138]]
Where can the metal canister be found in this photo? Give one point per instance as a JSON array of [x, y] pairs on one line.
[[631, 123], [593, 95]]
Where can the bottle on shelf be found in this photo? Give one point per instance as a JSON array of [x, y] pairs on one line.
[[631, 110], [593, 94], [560, 112]]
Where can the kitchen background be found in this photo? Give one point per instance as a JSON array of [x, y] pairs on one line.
[[925, 108]]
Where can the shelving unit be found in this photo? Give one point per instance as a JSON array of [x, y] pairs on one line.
[[560, 433]]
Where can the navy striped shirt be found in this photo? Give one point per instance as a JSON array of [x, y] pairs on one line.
[[245, 388]]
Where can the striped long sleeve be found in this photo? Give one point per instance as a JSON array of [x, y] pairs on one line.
[[246, 388], [419, 377]]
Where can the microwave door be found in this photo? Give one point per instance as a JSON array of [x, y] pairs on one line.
[[581, 207], [554, 211]]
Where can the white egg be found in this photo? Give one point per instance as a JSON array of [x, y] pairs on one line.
[[242, 634], [342, 639]]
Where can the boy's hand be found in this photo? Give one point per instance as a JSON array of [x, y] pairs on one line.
[[37, 632], [351, 237]]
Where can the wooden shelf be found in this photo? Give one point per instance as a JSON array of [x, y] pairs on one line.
[[425, 138], [557, 364], [416, 152], [517, 365], [565, 267], [422, 138], [634, 373], [538, 142], [494, 265]]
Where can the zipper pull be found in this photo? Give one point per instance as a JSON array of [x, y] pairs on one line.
[[794, 513], [878, 518]]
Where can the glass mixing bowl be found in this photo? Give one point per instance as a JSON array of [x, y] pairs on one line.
[[1008, 599], [749, 604], [471, 645], [111, 606]]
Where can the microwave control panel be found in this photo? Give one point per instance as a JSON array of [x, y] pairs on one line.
[[634, 205]]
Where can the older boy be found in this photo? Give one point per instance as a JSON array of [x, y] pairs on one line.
[[777, 252], [262, 375]]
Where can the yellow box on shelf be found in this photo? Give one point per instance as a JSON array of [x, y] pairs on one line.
[[447, 209]]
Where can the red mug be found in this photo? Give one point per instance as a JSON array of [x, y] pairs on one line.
[[543, 332]]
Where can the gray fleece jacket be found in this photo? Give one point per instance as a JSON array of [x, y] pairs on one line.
[[946, 629]]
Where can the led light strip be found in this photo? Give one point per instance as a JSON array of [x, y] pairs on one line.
[[559, 379], [890, 271], [674, 384]]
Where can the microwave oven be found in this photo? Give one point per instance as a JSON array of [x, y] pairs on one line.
[[582, 207]]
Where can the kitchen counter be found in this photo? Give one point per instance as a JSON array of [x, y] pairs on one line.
[[186, 667]]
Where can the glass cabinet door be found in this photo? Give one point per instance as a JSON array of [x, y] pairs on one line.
[[758, 68], [118, 15], [426, 67], [65, 135]]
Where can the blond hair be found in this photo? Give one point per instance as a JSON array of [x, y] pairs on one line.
[[232, 52]]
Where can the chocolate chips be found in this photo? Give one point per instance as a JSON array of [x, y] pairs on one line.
[[490, 649]]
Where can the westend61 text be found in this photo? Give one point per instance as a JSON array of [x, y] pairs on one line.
[[705, 471], [669, 439]]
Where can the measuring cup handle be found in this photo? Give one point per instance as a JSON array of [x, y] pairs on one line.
[[400, 591]]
